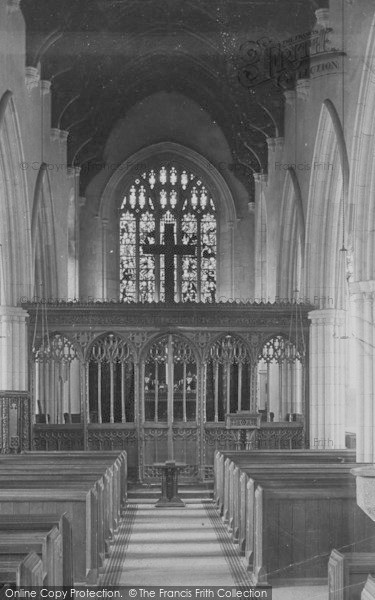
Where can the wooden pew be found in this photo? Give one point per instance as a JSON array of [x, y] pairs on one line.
[[47, 545], [347, 574], [113, 500], [368, 592], [73, 488], [80, 506], [240, 509], [326, 483], [29, 523], [324, 471], [26, 572], [279, 456], [295, 529], [115, 472]]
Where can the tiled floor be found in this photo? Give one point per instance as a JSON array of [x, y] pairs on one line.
[[182, 547]]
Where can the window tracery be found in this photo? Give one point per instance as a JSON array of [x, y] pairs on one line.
[[111, 380], [228, 378], [168, 194]]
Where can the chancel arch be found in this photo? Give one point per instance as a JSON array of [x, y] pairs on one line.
[[186, 161]]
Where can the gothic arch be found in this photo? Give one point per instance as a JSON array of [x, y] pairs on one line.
[[362, 184], [237, 336], [323, 273], [121, 179], [17, 267], [104, 335], [261, 241], [292, 238], [43, 237], [144, 350]]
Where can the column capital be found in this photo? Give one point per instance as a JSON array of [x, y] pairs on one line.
[[45, 86], [260, 178], [322, 17], [13, 5], [13, 312], [276, 143], [362, 290], [303, 88], [290, 97], [73, 171], [327, 316], [32, 77]]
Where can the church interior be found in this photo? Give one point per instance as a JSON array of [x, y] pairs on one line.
[[187, 295]]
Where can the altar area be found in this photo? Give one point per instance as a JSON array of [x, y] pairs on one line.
[[160, 380]]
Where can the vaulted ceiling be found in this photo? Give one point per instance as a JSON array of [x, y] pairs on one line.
[[104, 56]]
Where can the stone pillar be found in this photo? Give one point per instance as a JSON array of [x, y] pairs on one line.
[[362, 366], [327, 379], [261, 258], [13, 349], [104, 257]]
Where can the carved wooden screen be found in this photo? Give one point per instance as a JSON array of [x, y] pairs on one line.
[[170, 371], [228, 378], [280, 380], [56, 379], [111, 381], [168, 194]]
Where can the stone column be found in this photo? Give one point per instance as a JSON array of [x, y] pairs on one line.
[[261, 258], [13, 349], [362, 366], [327, 379]]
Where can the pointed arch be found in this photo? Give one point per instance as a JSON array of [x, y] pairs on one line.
[[261, 239], [323, 275], [292, 238], [362, 184], [105, 223], [43, 237], [17, 267]]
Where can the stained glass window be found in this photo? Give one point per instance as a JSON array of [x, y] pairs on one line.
[[169, 194]]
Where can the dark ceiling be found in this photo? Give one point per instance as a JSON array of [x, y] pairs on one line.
[[104, 56]]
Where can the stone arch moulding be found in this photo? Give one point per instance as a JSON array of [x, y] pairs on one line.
[[122, 177], [43, 201], [14, 207], [361, 191], [292, 233], [324, 210]]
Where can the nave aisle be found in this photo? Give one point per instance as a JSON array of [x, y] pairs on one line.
[[182, 547]]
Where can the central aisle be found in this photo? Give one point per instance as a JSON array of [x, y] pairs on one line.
[[183, 547], [174, 546]]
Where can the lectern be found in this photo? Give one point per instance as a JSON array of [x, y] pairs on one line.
[[246, 424], [169, 484]]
